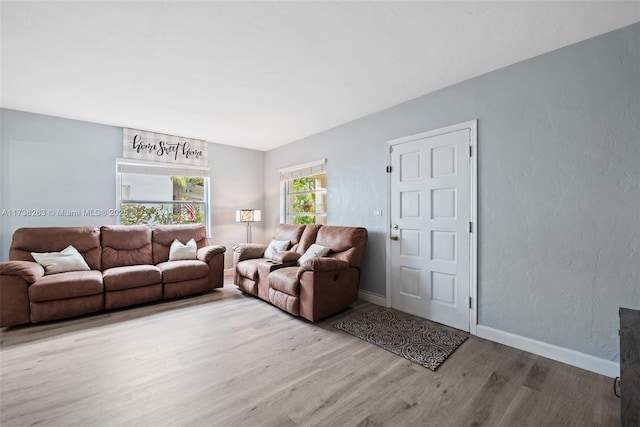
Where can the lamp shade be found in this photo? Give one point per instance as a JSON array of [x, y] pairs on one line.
[[248, 215]]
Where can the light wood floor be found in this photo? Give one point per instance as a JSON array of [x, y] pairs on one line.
[[226, 359]]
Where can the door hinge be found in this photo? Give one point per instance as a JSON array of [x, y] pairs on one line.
[[470, 305], [470, 227], [388, 169], [470, 151]]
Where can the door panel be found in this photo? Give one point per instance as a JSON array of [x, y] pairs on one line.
[[430, 212]]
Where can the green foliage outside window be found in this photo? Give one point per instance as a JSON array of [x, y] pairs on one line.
[[301, 220], [187, 213], [304, 202]]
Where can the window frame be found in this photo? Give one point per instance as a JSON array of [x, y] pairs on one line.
[[304, 170], [168, 170]]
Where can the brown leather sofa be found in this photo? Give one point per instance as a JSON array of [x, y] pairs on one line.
[[128, 265], [314, 289]]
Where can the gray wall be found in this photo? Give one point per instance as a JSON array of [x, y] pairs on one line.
[[558, 187], [54, 163]]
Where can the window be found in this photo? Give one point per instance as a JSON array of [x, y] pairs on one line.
[[158, 193], [304, 194]]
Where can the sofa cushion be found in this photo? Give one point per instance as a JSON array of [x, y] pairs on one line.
[[164, 235], [249, 268], [131, 276], [66, 285], [179, 271], [54, 239], [125, 245], [290, 232], [308, 237], [285, 280], [68, 259], [346, 243]]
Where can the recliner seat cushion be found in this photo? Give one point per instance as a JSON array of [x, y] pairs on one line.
[[133, 276], [249, 268], [66, 285], [285, 280], [180, 271]]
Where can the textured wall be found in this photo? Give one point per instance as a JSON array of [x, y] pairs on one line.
[[558, 187], [54, 163]]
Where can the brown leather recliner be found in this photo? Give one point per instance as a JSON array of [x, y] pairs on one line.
[[27, 295], [252, 269], [187, 277], [319, 287], [127, 266]]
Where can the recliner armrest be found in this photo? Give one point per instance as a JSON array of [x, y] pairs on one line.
[[322, 264], [286, 257], [206, 253], [242, 251], [28, 271]]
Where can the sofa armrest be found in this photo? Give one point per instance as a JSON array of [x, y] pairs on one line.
[[242, 251], [15, 278], [286, 257], [205, 254], [213, 255], [28, 271], [322, 264]]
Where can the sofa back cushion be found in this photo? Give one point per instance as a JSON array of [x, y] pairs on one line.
[[124, 245], [289, 232], [308, 238], [54, 239], [164, 235], [346, 243]]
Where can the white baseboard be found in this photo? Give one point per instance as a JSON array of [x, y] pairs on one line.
[[560, 354], [372, 298]]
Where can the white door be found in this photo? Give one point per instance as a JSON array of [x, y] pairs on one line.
[[430, 212]]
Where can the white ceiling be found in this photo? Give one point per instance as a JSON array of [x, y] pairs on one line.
[[263, 74]]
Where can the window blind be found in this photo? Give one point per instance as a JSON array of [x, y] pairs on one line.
[[163, 169], [307, 169]]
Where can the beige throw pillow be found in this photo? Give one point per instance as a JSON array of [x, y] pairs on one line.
[[178, 251], [68, 259], [274, 247], [314, 251]]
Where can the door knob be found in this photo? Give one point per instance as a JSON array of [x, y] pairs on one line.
[[394, 237]]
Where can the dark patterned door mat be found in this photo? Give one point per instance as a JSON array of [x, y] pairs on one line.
[[418, 340]]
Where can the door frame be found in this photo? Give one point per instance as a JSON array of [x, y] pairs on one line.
[[472, 125]]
